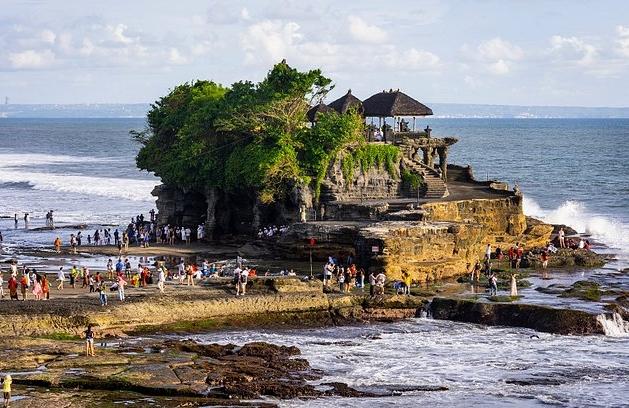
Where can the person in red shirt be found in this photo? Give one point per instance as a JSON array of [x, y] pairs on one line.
[[13, 288], [518, 256], [511, 257], [24, 286]]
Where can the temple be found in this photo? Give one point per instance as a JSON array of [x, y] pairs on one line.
[[393, 203]]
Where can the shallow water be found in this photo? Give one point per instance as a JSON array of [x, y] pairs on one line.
[[478, 365]]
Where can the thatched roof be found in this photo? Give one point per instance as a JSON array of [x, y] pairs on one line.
[[345, 102], [394, 103], [316, 110]]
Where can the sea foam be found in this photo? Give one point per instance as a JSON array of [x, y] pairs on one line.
[[610, 231], [14, 169]]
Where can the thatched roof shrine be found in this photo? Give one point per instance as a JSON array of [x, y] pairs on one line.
[[314, 112], [346, 102], [394, 103]]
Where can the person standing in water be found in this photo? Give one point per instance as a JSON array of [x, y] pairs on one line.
[[493, 285], [57, 245], [514, 284]]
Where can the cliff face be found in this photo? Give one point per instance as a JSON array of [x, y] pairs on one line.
[[451, 236]]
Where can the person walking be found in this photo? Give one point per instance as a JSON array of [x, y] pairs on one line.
[[1, 288], [121, 285], [61, 277]]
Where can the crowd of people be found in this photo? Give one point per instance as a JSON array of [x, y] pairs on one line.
[[27, 280], [272, 231]]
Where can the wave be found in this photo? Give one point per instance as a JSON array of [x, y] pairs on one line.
[[114, 188], [11, 160], [17, 185], [608, 230], [13, 174]]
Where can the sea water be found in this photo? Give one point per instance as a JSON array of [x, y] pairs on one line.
[[571, 171]]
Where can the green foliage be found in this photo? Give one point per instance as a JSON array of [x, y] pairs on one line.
[[412, 180], [248, 136], [322, 142], [368, 156]]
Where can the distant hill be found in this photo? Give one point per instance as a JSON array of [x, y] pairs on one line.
[[88, 110], [441, 110]]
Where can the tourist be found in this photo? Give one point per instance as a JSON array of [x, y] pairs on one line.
[[562, 238], [45, 287], [488, 251], [552, 248], [15, 220], [13, 284], [73, 274], [6, 389], [380, 281], [189, 276], [493, 285], [73, 243], [37, 291], [372, 283], [499, 256], [587, 245], [57, 245], [121, 282], [24, 284], [581, 243], [341, 280], [511, 255], [89, 341], [514, 285], [61, 277], [1, 288], [544, 259], [102, 295], [244, 277], [161, 278], [519, 252], [361, 278], [407, 283], [110, 269], [91, 283], [127, 268]]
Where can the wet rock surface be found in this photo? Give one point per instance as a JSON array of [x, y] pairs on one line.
[[541, 318], [206, 373]]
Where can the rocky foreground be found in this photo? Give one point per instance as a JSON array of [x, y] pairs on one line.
[[203, 374]]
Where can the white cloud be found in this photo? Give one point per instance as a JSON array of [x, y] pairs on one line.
[[411, 59], [498, 49], [623, 40], [175, 57], [270, 41], [48, 36], [118, 34], [573, 50], [363, 32], [31, 59], [497, 56], [500, 67]]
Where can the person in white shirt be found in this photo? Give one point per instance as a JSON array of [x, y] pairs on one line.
[[161, 278]]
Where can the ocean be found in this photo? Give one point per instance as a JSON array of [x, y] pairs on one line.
[[572, 171]]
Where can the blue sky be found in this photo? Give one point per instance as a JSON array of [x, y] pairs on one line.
[[572, 53]]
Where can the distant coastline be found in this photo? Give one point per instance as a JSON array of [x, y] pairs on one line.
[[442, 110]]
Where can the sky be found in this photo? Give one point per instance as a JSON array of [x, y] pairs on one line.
[[516, 52]]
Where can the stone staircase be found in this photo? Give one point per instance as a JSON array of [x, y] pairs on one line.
[[435, 187]]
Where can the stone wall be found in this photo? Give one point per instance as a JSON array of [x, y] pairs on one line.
[[373, 183]]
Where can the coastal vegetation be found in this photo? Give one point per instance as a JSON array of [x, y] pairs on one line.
[[254, 136]]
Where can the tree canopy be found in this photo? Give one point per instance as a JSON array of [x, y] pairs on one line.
[[246, 137]]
